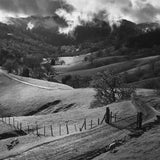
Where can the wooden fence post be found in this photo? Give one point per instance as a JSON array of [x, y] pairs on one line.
[[115, 117], [139, 120], [75, 126], [60, 132], [44, 130], [85, 123], [37, 130], [107, 115], [67, 127], [20, 126], [13, 122], [51, 130], [9, 120], [91, 124], [111, 116]]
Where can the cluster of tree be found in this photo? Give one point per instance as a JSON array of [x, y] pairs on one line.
[[33, 67], [11, 60], [26, 65]]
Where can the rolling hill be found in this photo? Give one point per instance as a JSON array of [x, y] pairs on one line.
[[135, 70], [22, 96]]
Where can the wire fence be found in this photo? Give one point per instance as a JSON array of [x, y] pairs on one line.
[[59, 129], [71, 127]]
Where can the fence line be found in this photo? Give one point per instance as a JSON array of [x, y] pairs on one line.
[[67, 127]]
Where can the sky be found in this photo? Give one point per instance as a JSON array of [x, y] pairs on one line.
[[76, 11]]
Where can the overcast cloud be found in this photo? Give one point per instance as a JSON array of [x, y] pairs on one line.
[[134, 10]]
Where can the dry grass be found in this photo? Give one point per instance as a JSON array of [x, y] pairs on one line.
[[19, 99], [116, 67], [98, 62], [5, 128], [147, 83], [68, 147], [72, 146], [41, 83], [146, 147]]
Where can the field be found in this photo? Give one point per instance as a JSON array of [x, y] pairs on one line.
[[80, 145], [32, 103]]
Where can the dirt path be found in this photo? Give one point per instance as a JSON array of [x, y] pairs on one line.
[[142, 104], [126, 123]]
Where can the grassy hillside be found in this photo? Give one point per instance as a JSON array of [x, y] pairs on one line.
[[70, 147], [82, 65], [147, 83], [103, 64], [142, 148], [21, 98], [84, 145]]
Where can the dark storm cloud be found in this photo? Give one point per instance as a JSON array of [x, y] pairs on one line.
[[32, 7], [134, 10]]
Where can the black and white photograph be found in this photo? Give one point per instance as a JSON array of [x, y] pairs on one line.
[[79, 80]]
